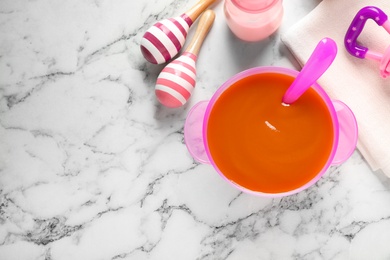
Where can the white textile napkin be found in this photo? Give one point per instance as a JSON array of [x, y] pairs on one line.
[[356, 82]]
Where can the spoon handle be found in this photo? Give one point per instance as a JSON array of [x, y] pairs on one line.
[[203, 28], [319, 61], [198, 8]]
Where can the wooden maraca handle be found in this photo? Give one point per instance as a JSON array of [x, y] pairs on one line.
[[197, 9], [204, 25]]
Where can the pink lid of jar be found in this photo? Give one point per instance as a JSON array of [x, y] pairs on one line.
[[253, 5]]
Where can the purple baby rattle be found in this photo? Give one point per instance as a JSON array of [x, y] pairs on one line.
[[354, 30]]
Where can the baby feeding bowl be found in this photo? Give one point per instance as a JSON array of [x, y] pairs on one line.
[[344, 128]]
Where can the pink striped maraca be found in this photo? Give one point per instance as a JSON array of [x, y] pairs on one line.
[[177, 80], [165, 38]]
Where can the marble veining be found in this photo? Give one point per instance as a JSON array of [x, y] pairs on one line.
[[92, 167]]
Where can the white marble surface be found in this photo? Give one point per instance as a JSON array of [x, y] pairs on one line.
[[92, 167]]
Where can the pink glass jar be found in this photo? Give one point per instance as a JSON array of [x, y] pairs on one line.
[[253, 20]]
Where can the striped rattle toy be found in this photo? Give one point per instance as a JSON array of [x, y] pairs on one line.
[[177, 80], [165, 38]]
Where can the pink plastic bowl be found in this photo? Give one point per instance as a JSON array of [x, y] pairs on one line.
[[344, 127]]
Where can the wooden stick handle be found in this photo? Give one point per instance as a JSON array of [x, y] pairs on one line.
[[204, 25], [197, 9]]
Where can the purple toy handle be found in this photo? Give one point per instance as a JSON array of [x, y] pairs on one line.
[[357, 25]]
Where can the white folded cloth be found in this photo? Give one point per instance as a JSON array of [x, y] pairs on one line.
[[356, 82]]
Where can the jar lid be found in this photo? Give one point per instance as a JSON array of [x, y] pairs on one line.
[[254, 5]]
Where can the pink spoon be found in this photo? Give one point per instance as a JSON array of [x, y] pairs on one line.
[[177, 80], [165, 38], [319, 61]]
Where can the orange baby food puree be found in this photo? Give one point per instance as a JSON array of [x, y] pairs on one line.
[[263, 145]]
